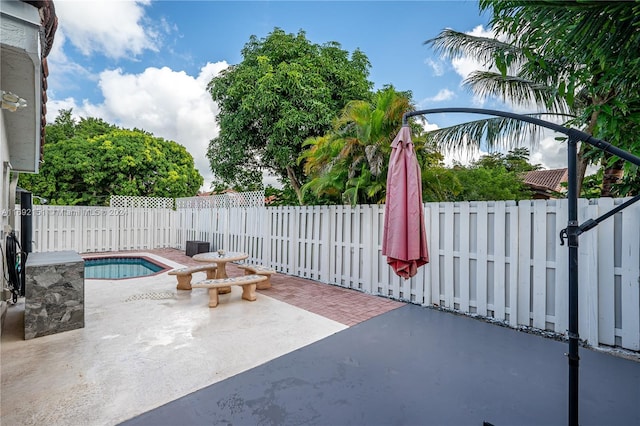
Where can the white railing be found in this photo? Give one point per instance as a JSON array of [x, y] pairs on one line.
[[493, 259]]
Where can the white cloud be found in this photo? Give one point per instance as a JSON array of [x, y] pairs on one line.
[[478, 101], [442, 95], [463, 66], [464, 156], [115, 29], [550, 153], [269, 179], [64, 73], [429, 126], [54, 106], [436, 67], [170, 104], [57, 52], [466, 65]]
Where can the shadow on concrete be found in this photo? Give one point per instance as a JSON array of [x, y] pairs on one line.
[[416, 366]]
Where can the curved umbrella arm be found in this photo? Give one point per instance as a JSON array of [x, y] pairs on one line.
[[571, 133]]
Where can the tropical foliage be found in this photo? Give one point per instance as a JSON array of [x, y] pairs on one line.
[[495, 176], [285, 90], [349, 164], [85, 163], [564, 57]]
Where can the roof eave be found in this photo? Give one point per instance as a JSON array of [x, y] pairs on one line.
[[21, 66]]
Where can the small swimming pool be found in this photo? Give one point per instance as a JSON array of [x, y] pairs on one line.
[[115, 268]]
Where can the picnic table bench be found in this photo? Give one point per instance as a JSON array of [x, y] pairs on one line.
[[184, 275], [248, 283], [259, 270]]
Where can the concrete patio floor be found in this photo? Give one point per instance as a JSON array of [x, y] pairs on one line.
[[303, 353], [416, 366], [145, 344]]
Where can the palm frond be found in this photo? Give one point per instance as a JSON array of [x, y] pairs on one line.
[[581, 31], [330, 184], [497, 133], [515, 89], [454, 44]]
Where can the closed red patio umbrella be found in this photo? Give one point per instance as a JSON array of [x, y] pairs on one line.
[[404, 239]]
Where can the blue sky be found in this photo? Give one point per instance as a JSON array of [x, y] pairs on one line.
[[146, 63]]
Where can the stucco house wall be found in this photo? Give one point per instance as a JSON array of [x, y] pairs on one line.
[[27, 29]]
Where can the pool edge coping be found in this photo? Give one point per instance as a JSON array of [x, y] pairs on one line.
[[165, 267]]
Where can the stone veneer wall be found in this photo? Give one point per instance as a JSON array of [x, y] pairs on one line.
[[54, 293]]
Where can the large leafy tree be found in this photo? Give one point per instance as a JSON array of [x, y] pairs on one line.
[[575, 57], [285, 90], [89, 161], [65, 126]]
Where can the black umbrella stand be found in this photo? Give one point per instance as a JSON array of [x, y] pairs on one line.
[[573, 229]]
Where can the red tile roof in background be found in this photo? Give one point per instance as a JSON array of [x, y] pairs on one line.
[[547, 179]]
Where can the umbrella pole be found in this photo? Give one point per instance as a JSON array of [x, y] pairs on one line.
[[572, 234]]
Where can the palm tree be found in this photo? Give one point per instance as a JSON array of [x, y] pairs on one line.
[[598, 44], [539, 64], [351, 161], [328, 176], [514, 83]]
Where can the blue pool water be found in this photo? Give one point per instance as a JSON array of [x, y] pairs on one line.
[[119, 267]]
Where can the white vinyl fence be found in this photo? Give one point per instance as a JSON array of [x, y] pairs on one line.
[[495, 259], [99, 229]]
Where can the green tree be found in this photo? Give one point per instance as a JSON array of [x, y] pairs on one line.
[[516, 161], [65, 127], [489, 184], [89, 167], [284, 196], [440, 184], [565, 57], [285, 90], [495, 176]]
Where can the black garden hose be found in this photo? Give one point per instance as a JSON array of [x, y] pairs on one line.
[[14, 265]]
